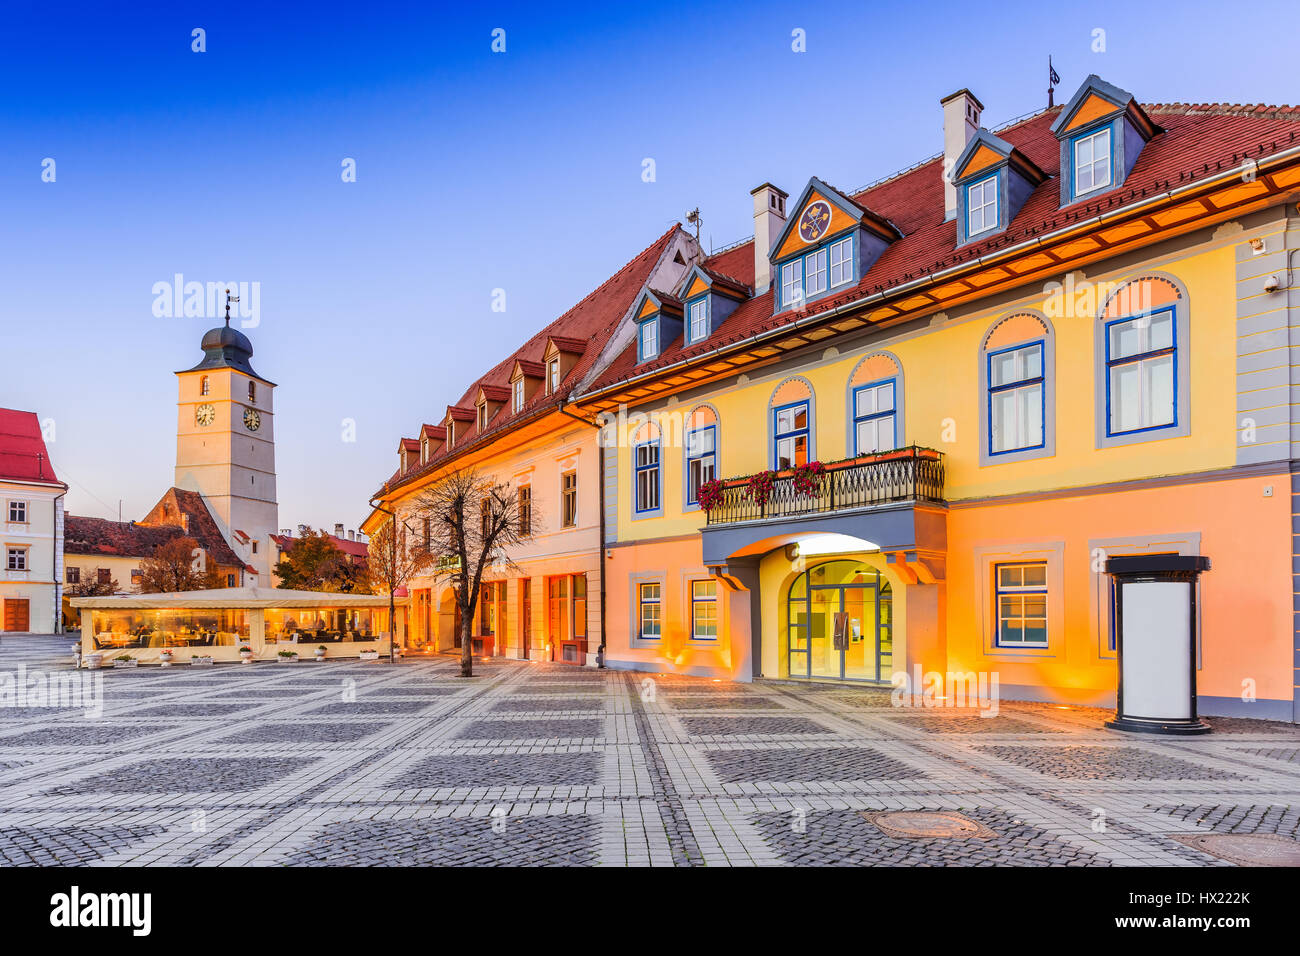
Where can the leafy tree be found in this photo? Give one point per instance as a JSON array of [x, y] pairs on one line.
[[315, 563], [172, 568]]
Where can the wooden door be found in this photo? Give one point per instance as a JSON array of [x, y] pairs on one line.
[[17, 614]]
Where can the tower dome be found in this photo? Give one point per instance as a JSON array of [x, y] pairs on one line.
[[224, 347]]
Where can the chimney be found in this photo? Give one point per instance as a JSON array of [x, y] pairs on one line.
[[352, 535], [961, 120], [286, 532], [302, 530], [769, 218], [338, 531]]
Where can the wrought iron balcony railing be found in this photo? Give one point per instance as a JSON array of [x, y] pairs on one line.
[[904, 474]]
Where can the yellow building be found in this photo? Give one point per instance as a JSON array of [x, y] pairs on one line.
[[946, 400]]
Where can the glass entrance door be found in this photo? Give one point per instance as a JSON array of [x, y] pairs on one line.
[[825, 659], [864, 600]]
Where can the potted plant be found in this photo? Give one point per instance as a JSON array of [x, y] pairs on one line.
[[710, 494], [245, 654], [200, 660], [166, 657], [94, 661], [370, 654], [125, 660], [288, 657], [320, 652], [760, 487], [807, 478]]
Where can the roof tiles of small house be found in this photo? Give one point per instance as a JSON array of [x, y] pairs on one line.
[[23, 456], [357, 549], [100, 536], [587, 325], [1196, 139], [188, 511], [496, 393]]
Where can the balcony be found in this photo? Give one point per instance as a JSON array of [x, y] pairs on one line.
[[901, 475]]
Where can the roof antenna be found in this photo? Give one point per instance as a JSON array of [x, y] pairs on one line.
[[1052, 79], [693, 217], [229, 299]]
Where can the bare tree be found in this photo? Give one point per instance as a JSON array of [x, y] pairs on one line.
[[467, 524], [392, 562]]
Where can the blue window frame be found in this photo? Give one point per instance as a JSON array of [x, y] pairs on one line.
[[704, 610], [1017, 401], [1142, 373], [791, 432], [982, 206], [649, 610], [817, 271], [646, 477], [697, 319], [875, 420], [1091, 162], [1020, 604], [647, 339], [701, 460]]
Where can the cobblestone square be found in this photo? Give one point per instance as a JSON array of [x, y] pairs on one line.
[[548, 765]]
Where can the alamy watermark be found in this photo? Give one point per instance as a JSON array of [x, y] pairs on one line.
[[36, 688], [179, 299]]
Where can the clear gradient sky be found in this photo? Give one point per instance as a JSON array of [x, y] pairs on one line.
[[475, 171]]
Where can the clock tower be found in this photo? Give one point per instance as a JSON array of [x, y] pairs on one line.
[[225, 445]]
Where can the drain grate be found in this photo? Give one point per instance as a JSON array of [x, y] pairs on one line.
[[1245, 849], [928, 825]]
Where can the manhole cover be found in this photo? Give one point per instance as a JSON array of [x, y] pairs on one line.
[[929, 825], [1245, 849]]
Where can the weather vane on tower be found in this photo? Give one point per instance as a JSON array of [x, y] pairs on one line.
[[229, 299]]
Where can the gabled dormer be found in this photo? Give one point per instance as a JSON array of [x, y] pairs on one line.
[[828, 244], [708, 297], [559, 358], [525, 379], [658, 323], [408, 454], [993, 180], [1102, 129], [457, 423], [431, 440], [490, 400]]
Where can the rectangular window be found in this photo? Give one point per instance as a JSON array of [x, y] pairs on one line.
[[982, 206], [525, 510], [553, 375], [699, 319], [73, 575], [1021, 601], [874, 418], [814, 273], [105, 576], [841, 262], [487, 608], [557, 599], [18, 512], [1016, 399], [136, 575], [579, 605], [482, 418], [792, 282], [428, 533], [1092, 162], [648, 605], [704, 610], [791, 435], [649, 339], [647, 476], [1141, 385], [518, 390], [17, 559], [484, 521], [701, 460], [569, 499]]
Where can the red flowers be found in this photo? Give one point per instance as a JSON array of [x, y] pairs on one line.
[[807, 478]]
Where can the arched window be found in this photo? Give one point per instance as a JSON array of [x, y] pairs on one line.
[[252, 391], [875, 405], [203, 385], [701, 443], [1143, 363], [790, 420], [1017, 386], [647, 476]]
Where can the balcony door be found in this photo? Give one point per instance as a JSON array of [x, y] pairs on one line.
[[840, 624]]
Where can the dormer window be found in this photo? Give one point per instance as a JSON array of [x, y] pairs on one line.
[[1092, 162], [982, 206], [553, 376], [648, 340], [699, 319], [482, 418], [841, 262], [517, 395], [424, 451], [451, 433]]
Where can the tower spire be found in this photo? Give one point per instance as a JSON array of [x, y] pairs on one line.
[[229, 299]]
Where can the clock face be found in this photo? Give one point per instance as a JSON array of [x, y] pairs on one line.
[[205, 414], [815, 220], [252, 420]]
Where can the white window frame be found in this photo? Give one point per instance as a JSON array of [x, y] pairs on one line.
[[647, 477], [21, 508], [841, 258], [1000, 590], [648, 339], [792, 283], [17, 556], [816, 273], [553, 375], [698, 319], [987, 198], [517, 391], [1091, 140], [642, 603], [697, 601]]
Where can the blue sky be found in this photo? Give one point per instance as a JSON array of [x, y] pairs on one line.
[[475, 171]]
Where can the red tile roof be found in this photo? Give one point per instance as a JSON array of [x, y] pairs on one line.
[[1196, 140], [188, 511], [99, 536], [495, 393], [355, 549], [23, 456], [589, 323]]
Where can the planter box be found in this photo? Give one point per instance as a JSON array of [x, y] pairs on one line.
[[131, 663], [201, 661], [370, 655], [288, 660], [94, 661]]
